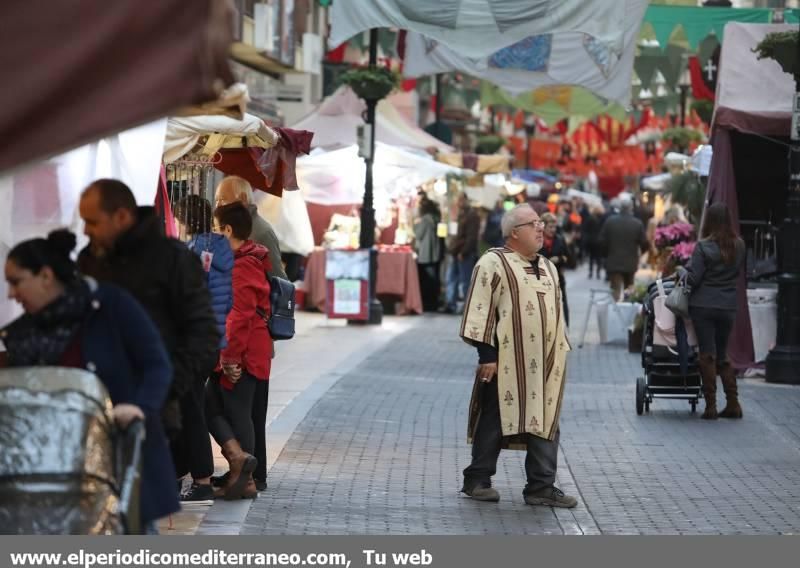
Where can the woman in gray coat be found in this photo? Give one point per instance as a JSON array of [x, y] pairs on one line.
[[712, 274], [429, 253]]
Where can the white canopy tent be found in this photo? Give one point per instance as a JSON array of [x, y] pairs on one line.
[[183, 133], [337, 177], [44, 196], [335, 120]]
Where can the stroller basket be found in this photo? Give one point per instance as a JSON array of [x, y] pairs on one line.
[[64, 464]]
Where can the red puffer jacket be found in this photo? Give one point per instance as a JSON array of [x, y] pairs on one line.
[[249, 343]]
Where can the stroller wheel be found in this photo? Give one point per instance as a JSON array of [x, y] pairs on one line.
[[694, 406], [640, 396]]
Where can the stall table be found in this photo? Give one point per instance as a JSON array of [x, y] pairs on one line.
[[397, 278]]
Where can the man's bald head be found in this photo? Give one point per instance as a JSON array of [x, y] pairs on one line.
[[232, 189]]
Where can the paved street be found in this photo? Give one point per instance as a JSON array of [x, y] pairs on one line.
[[381, 452]]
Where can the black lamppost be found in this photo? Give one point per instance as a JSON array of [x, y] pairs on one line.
[[367, 236], [683, 85], [783, 362]]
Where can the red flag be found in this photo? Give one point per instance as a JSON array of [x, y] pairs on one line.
[[700, 89]]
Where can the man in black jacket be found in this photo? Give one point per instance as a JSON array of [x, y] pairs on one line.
[[127, 247], [623, 239]]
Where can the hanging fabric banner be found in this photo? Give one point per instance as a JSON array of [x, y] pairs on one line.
[[568, 58], [478, 29]]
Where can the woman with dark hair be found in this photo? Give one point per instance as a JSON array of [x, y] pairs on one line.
[[70, 321], [192, 451], [712, 275], [429, 253]]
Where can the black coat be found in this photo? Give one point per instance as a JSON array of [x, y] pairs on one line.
[[169, 282], [623, 240]]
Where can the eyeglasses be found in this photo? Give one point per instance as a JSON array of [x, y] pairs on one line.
[[534, 224]]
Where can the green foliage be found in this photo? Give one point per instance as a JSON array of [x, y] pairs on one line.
[[781, 47], [373, 83], [489, 144], [704, 109], [687, 190], [680, 138]]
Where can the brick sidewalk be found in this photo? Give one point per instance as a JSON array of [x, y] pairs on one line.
[[382, 452]]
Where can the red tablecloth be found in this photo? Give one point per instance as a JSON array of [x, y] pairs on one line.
[[397, 277]]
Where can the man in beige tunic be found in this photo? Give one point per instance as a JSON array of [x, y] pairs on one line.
[[514, 317]]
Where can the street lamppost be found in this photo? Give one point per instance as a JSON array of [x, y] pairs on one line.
[[530, 132], [783, 361], [367, 235], [683, 85]]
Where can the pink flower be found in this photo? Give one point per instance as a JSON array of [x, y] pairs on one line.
[[682, 252], [673, 234]]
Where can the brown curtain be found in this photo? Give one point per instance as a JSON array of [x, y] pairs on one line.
[[75, 71]]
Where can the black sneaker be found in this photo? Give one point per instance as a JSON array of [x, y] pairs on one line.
[[551, 497], [482, 492], [261, 484], [200, 494]]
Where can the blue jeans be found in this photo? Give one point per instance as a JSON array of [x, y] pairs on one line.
[[458, 277]]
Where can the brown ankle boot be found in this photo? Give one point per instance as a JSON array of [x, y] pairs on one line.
[[728, 375], [708, 372], [242, 465], [250, 490]]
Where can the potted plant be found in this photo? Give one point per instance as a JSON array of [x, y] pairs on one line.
[[370, 83], [489, 144], [681, 138], [781, 47]]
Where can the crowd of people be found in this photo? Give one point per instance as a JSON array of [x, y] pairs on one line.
[[609, 238], [193, 355]]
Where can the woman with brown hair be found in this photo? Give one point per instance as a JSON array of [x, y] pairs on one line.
[[712, 274]]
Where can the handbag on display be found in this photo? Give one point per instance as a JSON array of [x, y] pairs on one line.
[[764, 262]]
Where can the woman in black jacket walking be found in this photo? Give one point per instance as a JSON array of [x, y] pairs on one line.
[[712, 275]]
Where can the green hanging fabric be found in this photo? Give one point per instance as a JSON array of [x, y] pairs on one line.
[[663, 31], [696, 32], [672, 65], [706, 49], [645, 67], [791, 16]]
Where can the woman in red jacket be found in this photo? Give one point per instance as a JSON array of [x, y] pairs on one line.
[[246, 359]]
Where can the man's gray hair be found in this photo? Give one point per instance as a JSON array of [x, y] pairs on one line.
[[626, 205], [240, 186], [512, 218]]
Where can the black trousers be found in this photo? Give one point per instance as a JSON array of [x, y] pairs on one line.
[[229, 412], [259, 418], [713, 327], [430, 285], [541, 460], [191, 450]]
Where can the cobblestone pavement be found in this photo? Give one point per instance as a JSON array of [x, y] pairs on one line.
[[382, 452]]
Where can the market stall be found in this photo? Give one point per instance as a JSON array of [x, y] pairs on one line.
[[332, 183], [199, 150], [749, 172]]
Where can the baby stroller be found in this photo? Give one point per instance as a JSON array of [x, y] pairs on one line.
[[663, 376], [64, 466]]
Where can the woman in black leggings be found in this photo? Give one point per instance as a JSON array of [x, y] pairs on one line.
[[713, 274], [246, 359]]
